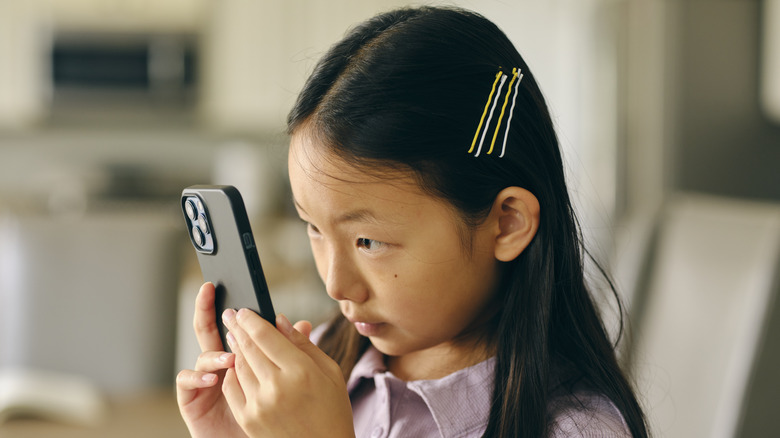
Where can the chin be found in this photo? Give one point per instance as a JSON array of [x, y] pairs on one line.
[[390, 348]]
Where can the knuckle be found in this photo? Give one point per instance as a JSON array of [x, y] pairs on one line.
[[275, 396], [251, 422], [256, 333], [201, 363], [298, 377], [252, 415], [243, 420], [182, 377], [224, 386], [203, 325], [333, 368], [240, 364]]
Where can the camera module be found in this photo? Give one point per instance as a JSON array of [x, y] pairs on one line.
[[203, 223], [198, 237], [191, 210]]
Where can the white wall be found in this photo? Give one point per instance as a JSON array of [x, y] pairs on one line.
[[24, 38], [258, 53]]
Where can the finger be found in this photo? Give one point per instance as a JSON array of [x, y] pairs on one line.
[[234, 393], [304, 327], [205, 321], [270, 345], [212, 361], [246, 374], [304, 344], [274, 345], [189, 381], [247, 348]]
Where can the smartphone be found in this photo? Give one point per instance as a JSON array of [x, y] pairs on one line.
[[219, 230]]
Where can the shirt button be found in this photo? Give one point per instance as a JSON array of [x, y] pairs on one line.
[[377, 432]]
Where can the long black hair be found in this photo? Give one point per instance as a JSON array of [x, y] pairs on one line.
[[406, 90]]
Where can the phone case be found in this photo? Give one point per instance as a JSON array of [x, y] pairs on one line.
[[219, 229]]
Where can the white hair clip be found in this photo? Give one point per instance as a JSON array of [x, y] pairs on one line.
[[489, 109]]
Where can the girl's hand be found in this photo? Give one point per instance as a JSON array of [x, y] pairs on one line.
[[282, 385], [199, 392]]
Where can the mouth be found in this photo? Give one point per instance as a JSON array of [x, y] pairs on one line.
[[367, 328]]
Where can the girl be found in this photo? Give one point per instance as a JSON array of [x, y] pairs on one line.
[[425, 164]]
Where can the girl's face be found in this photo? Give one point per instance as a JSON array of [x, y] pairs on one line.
[[393, 256]]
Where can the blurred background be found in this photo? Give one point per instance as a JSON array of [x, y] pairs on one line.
[[668, 112]]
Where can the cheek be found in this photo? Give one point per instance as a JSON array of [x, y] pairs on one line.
[[321, 259], [443, 291], [412, 291]]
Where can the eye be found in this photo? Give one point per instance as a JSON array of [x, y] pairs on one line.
[[311, 228], [369, 244]]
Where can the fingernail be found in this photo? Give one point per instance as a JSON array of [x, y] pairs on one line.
[[231, 339], [284, 324], [228, 315], [209, 378], [224, 356]]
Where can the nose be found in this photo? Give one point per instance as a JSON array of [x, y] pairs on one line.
[[342, 278]]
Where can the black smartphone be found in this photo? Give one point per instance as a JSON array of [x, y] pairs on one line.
[[219, 229]]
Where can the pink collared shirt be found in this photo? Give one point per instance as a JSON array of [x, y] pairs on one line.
[[384, 406], [457, 405]]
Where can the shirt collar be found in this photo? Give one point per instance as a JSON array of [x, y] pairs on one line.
[[370, 363], [459, 403]]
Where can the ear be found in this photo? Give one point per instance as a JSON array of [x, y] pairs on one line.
[[515, 214]]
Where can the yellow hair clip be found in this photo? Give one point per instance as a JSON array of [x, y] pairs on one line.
[[489, 109], [482, 119]]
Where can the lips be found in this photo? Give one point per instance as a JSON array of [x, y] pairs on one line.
[[366, 328], [369, 328]]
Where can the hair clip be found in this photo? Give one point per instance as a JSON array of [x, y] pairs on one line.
[[489, 110]]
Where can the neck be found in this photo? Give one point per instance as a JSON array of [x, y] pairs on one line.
[[437, 362]]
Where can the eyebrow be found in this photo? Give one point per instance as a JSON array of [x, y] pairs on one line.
[[359, 215]]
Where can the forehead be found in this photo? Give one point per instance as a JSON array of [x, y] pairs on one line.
[[310, 163], [326, 186]]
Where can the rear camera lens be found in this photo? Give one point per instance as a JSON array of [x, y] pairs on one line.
[[203, 223], [198, 236], [189, 207]]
